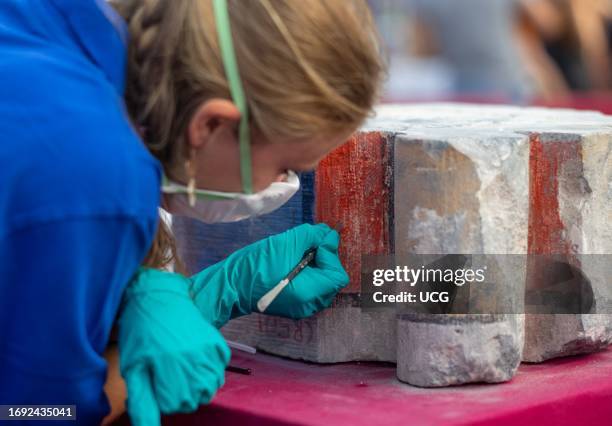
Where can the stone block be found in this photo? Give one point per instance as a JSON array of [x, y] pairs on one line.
[[447, 350], [571, 217], [352, 193], [437, 179]]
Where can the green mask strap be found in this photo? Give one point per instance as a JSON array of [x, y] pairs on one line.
[[230, 63]]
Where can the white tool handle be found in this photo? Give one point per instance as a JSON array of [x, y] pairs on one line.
[[241, 347], [269, 297]]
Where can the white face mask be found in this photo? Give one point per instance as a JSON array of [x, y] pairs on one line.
[[215, 206]]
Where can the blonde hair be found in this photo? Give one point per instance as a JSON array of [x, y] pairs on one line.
[[309, 67]]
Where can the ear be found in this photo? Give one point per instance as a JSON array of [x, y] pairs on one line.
[[209, 117]]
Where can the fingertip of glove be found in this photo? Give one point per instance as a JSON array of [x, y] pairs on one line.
[[224, 351], [226, 354], [318, 230], [332, 239], [345, 280], [327, 256], [206, 396], [189, 406], [323, 227], [311, 235]]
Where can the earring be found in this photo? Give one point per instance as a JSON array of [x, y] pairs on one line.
[[191, 183]]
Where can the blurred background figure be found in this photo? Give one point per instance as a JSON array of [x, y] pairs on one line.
[[476, 39], [575, 34], [511, 51]]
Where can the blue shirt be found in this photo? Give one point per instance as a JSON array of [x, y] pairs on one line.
[[78, 199]]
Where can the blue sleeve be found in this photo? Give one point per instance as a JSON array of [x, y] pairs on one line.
[[60, 289]]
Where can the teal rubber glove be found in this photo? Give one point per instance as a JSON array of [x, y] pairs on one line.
[[171, 358], [232, 287]]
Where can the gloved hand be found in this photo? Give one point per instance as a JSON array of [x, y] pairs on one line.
[[233, 286], [171, 358]]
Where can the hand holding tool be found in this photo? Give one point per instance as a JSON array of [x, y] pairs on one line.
[[234, 286], [269, 297]]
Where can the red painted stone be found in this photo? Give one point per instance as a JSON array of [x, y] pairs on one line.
[[353, 190], [546, 234], [546, 229]]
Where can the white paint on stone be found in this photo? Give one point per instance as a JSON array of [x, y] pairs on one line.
[[597, 210], [449, 120], [438, 234], [502, 165]]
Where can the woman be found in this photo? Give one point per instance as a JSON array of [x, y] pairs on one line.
[[86, 141]]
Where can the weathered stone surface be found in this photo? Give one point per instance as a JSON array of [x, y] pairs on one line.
[[453, 179], [570, 201], [336, 335], [555, 335], [448, 350], [571, 216], [459, 191]]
